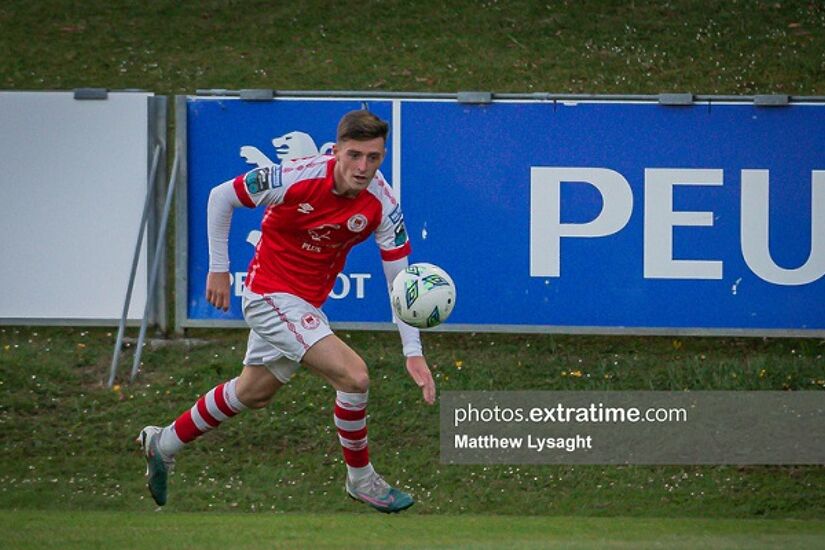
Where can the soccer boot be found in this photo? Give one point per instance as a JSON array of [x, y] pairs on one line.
[[376, 492], [158, 467]]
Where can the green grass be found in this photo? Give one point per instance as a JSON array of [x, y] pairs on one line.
[[604, 46], [164, 530], [67, 440]]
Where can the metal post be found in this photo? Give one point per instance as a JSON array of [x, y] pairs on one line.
[[136, 258], [160, 249]]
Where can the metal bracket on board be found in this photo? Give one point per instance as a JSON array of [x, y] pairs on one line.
[[475, 98], [91, 93], [773, 100], [257, 95], [676, 100]]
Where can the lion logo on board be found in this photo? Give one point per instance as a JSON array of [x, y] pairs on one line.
[[292, 145]]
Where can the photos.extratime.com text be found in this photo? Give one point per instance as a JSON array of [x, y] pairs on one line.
[[558, 413]]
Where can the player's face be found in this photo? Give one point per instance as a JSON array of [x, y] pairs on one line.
[[356, 164]]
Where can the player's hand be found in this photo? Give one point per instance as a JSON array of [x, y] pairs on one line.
[[420, 372], [217, 290]]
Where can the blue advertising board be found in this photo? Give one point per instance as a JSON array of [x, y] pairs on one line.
[[621, 215], [227, 137], [580, 216]]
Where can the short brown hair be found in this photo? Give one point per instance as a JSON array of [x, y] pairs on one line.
[[361, 125]]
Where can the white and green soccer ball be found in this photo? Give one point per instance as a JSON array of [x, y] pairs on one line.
[[423, 295]]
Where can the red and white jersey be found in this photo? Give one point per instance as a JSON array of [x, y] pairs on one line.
[[307, 229]]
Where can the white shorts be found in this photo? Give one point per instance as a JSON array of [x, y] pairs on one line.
[[284, 327]]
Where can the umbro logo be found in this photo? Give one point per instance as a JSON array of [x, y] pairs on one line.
[[305, 208]]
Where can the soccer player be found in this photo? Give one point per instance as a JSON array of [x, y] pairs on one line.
[[317, 209]]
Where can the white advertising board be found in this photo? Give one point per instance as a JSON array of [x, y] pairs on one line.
[[72, 189]]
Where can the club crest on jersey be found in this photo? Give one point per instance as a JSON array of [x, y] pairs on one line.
[[310, 321], [357, 223]]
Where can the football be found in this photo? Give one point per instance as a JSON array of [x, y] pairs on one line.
[[423, 295]]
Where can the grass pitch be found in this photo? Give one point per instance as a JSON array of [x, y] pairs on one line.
[[30, 529], [66, 441]]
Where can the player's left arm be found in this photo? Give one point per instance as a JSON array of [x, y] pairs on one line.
[[394, 244], [411, 339]]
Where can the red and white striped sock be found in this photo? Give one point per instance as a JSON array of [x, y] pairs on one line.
[[218, 404], [351, 422]]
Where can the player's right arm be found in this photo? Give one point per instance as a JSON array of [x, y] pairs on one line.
[[222, 202], [259, 186]]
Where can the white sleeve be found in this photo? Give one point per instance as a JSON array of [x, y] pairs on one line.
[[410, 336], [391, 234], [222, 201]]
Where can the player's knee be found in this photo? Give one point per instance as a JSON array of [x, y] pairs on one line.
[[256, 398], [359, 382], [357, 379], [258, 401]]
